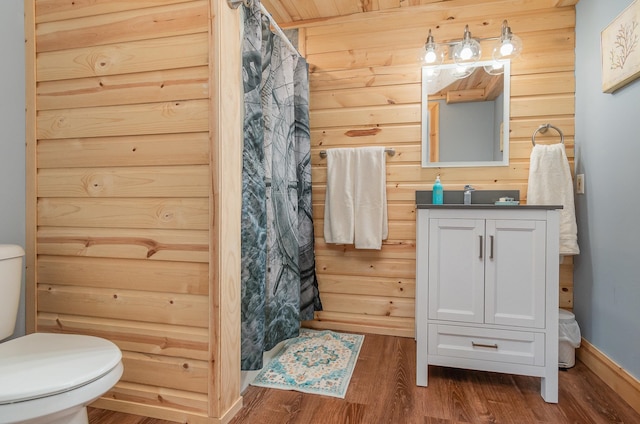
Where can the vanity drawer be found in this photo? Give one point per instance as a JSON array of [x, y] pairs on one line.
[[487, 344]]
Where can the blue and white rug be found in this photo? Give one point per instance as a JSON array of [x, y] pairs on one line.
[[317, 362]]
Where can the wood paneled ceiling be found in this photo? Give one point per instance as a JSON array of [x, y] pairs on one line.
[[287, 11], [291, 13]]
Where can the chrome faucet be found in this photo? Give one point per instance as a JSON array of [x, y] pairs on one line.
[[467, 194]]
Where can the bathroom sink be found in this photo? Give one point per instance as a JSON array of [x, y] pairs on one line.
[[456, 197]]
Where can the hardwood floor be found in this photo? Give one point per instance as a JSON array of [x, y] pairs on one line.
[[383, 390]]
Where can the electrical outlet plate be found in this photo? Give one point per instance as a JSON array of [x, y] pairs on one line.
[[580, 184]]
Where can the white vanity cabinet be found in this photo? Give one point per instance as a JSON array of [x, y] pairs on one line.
[[487, 290]]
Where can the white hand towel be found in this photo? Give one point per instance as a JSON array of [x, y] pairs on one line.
[[339, 206], [371, 226], [550, 183]]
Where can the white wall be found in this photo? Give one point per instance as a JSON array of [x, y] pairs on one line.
[[12, 131], [607, 272]]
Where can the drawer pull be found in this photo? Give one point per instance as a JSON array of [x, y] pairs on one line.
[[490, 346]]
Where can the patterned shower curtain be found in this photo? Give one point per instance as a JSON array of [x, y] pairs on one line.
[[277, 237], [309, 295], [254, 205]]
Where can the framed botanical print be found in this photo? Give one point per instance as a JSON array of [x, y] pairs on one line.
[[620, 49]]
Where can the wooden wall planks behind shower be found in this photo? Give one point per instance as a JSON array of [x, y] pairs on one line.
[[365, 90], [133, 197]]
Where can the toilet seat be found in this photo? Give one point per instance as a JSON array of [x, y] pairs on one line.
[[41, 364]]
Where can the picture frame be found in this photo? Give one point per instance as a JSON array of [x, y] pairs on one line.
[[620, 49]]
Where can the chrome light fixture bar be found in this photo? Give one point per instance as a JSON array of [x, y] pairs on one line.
[[467, 51]]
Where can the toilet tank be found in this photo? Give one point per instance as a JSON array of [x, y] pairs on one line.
[[10, 283]]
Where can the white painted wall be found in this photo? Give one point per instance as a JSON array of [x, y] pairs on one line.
[[607, 271], [12, 131]]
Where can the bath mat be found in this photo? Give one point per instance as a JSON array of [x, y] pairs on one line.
[[317, 362]]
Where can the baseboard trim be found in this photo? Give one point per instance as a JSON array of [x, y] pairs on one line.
[[620, 381]]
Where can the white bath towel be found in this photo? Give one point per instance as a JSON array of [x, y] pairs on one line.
[[355, 208], [339, 206], [550, 183], [371, 226]]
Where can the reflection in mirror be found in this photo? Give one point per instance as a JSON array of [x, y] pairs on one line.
[[465, 116]]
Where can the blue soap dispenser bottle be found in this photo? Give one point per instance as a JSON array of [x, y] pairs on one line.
[[437, 192]]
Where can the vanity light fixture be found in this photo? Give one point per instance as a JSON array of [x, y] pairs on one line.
[[434, 54], [509, 46], [467, 51]]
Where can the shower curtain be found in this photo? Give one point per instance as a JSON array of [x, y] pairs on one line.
[[279, 287], [254, 205], [309, 295]]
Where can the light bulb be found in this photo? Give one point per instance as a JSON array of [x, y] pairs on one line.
[[430, 57], [466, 53], [506, 49]]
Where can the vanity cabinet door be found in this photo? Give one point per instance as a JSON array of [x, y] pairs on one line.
[[456, 270], [487, 271], [515, 273]]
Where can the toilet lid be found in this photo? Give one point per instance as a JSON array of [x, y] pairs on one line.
[[40, 364]]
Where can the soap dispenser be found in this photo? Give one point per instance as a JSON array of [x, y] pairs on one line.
[[467, 194], [437, 192]]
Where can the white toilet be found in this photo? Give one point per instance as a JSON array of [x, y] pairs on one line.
[[47, 378]]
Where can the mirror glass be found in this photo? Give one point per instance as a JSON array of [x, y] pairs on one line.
[[465, 120]]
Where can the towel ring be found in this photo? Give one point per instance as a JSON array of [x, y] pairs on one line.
[[543, 129]]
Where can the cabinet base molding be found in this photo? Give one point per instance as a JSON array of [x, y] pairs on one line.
[[168, 414], [620, 381]]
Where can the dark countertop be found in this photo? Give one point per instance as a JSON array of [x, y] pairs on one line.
[[480, 199], [485, 206]]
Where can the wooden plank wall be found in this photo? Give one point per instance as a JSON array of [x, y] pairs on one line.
[[365, 90], [126, 197]]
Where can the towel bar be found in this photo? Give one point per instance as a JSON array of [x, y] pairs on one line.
[[543, 129], [389, 150]]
